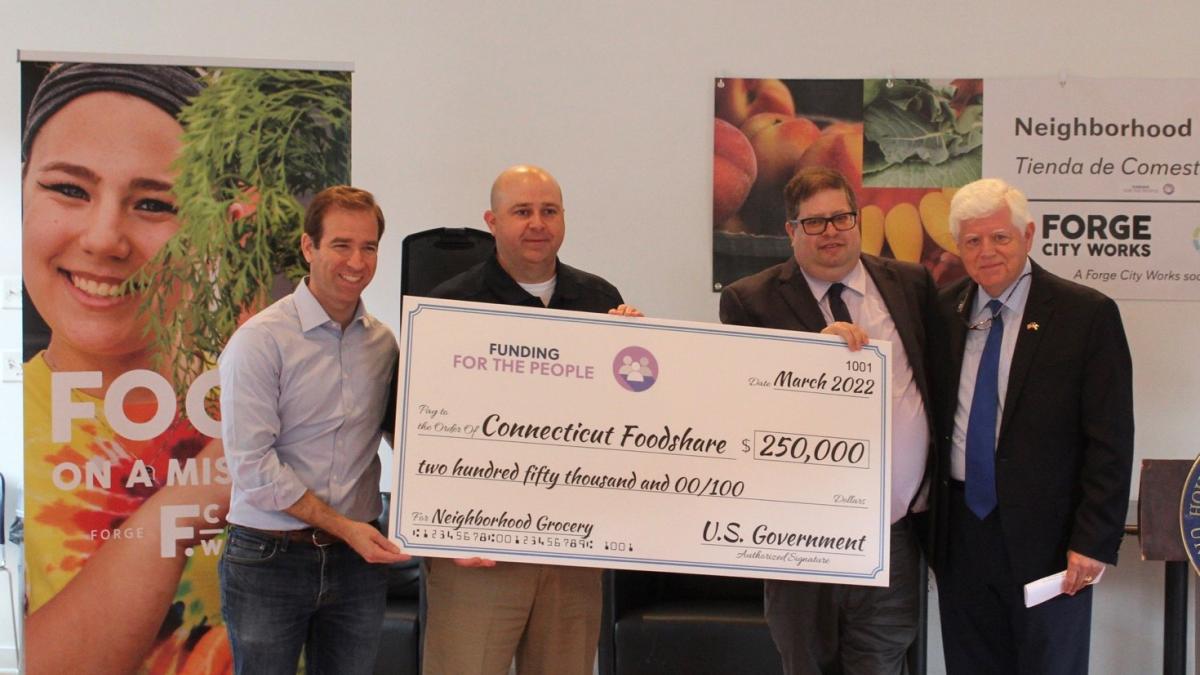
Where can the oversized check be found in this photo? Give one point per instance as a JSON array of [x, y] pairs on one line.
[[588, 439]]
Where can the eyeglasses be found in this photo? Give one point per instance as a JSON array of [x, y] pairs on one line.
[[983, 324], [986, 322], [818, 224]]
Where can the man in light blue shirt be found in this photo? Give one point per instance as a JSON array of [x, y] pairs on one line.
[[303, 391]]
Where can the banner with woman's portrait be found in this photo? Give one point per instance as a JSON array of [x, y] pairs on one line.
[[162, 206]]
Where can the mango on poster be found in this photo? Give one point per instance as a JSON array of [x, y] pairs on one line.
[[911, 224]]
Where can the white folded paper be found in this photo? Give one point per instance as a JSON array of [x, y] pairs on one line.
[[1037, 592]]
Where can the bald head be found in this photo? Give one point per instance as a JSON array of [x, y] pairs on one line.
[[527, 220], [514, 178]]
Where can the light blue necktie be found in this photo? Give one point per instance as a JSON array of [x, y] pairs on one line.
[[981, 427]]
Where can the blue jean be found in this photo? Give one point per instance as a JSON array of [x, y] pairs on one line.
[[278, 596]]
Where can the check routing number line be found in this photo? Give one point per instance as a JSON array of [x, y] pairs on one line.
[[500, 529]]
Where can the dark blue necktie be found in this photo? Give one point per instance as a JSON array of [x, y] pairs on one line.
[[981, 427]]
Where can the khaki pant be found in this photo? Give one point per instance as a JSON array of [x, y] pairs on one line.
[[547, 616]]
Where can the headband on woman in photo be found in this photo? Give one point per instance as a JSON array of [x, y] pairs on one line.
[[168, 87]]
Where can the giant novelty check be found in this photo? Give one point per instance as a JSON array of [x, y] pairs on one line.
[[586, 439]]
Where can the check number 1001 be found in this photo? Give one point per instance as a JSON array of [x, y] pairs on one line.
[[809, 449]]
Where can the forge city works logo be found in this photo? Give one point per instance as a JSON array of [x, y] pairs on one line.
[[635, 368]]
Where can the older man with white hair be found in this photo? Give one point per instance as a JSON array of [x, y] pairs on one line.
[[1036, 441]]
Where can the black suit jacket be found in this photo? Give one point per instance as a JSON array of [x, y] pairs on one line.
[[488, 282], [779, 297], [1065, 444]]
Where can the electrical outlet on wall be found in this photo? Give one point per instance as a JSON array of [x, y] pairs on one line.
[[10, 292], [12, 366]]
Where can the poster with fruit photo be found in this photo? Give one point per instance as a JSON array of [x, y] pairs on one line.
[[161, 207], [905, 145]]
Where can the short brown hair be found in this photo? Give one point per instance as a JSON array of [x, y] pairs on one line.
[[809, 182], [342, 197]]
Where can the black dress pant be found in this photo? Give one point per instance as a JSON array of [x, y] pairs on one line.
[[840, 629], [986, 627]]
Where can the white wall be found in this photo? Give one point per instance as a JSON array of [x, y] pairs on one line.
[[615, 98]]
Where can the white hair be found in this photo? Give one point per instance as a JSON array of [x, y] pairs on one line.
[[985, 197]]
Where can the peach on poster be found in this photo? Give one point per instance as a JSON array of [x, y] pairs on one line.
[[779, 142], [734, 170], [840, 151], [737, 99]]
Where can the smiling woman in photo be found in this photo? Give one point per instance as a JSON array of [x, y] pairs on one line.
[[106, 592], [161, 209]]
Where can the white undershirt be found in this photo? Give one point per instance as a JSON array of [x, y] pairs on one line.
[[543, 290]]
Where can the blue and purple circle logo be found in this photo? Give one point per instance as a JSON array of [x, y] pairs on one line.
[[635, 368]]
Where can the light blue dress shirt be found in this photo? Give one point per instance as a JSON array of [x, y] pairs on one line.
[[1012, 309], [301, 406]]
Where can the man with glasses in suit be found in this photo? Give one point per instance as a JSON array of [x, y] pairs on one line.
[[829, 286]]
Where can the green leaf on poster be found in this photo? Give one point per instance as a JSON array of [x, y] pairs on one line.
[[871, 89], [873, 160], [969, 126], [256, 142], [954, 172], [914, 136]]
